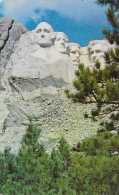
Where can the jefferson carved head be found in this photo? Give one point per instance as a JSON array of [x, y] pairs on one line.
[[44, 35], [60, 43], [74, 49]]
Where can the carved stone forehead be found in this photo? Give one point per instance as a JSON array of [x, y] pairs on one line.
[[61, 34], [72, 44], [100, 44], [101, 47], [44, 25]]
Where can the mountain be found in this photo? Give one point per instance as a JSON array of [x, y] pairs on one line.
[[35, 68]]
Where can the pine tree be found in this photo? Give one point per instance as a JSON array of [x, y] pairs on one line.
[[32, 173], [113, 19], [102, 86], [8, 166], [95, 168], [91, 169]]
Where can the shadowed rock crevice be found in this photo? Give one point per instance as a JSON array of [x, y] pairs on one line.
[[31, 84], [52, 81], [5, 31], [10, 32]]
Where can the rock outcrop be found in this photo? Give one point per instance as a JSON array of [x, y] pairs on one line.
[[10, 32], [35, 68]]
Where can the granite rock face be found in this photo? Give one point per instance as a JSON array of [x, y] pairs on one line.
[[35, 68], [10, 32], [38, 68]]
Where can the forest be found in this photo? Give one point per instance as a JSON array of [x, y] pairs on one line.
[[89, 168]]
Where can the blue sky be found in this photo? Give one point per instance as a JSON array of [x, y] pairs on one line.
[[81, 21]]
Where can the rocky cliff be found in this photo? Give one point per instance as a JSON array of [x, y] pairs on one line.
[[35, 68]]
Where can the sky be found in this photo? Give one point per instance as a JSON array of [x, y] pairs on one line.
[[81, 20]]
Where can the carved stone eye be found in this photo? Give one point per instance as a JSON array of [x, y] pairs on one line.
[[98, 51], [39, 30], [74, 52], [58, 39], [46, 30], [91, 52]]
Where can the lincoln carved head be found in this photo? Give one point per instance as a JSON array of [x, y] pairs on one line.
[[97, 49]]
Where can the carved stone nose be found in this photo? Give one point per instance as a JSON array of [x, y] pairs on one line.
[[94, 58], [42, 34], [62, 43]]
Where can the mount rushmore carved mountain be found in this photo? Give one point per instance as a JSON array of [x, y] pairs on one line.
[[35, 68]]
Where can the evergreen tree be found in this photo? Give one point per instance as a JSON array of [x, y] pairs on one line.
[[8, 166], [102, 86], [32, 173], [91, 168], [95, 168], [113, 18]]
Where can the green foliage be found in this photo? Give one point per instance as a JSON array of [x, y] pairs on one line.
[[99, 85], [113, 19], [86, 85], [103, 144], [91, 168], [111, 71], [94, 169], [8, 166], [64, 153], [95, 166], [31, 162]]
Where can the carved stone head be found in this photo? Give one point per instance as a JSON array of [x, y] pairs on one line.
[[44, 35], [97, 50], [74, 49], [60, 43]]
